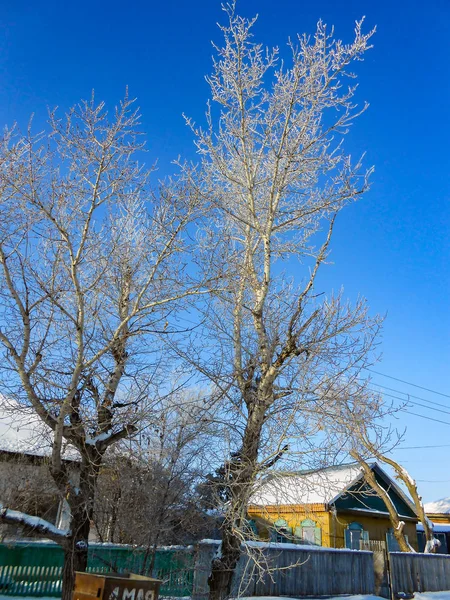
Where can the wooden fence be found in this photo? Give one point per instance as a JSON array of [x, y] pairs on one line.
[[34, 569], [411, 572], [291, 570]]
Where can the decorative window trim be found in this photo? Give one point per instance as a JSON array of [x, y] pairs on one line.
[[354, 526], [312, 526], [281, 532]]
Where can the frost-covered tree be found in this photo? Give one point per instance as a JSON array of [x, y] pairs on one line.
[[148, 488], [276, 176], [91, 268]]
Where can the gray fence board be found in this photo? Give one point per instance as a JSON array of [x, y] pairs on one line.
[[307, 572], [278, 570], [415, 572]]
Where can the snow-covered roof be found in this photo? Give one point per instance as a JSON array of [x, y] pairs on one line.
[[309, 487], [21, 430], [440, 506], [439, 528], [321, 486]]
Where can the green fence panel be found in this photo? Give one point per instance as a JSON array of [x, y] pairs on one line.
[[35, 568], [30, 569]]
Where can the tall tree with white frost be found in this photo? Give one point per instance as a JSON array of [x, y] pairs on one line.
[[91, 267], [276, 177], [148, 489]]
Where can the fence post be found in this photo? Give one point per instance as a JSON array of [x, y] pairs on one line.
[[203, 555], [390, 575]]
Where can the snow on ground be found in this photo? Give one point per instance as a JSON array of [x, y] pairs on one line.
[[357, 597], [424, 596], [432, 596]]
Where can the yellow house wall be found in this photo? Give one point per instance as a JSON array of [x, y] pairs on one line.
[[377, 528], [332, 527], [293, 515], [442, 518]]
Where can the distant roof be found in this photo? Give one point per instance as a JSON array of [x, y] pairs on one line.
[[307, 487], [21, 430], [437, 528], [440, 506]]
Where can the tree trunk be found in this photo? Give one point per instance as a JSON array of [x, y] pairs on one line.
[[432, 544], [153, 539], [81, 502], [75, 559], [397, 524], [114, 516], [242, 472], [223, 567]]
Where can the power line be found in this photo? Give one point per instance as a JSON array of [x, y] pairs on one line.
[[424, 417], [410, 395], [422, 447], [408, 383], [433, 480], [445, 412]]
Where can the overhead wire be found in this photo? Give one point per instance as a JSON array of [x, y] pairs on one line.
[[422, 447], [410, 395], [408, 401], [408, 383], [433, 480], [424, 417]]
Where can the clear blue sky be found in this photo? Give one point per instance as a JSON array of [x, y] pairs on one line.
[[392, 247]]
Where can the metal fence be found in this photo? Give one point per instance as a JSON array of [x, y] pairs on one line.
[[35, 568]]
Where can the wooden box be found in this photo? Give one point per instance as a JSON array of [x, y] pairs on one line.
[[115, 587]]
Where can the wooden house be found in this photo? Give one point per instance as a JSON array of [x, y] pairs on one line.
[[25, 481], [439, 514], [332, 507]]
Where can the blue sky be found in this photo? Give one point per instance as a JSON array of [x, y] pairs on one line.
[[392, 247]]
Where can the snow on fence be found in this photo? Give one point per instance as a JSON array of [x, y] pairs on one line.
[[291, 570], [34, 569], [415, 572]]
